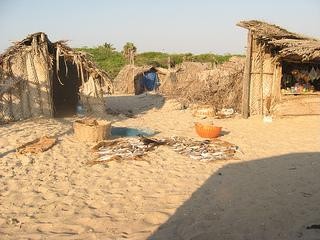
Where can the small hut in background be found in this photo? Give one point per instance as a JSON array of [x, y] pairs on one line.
[[282, 72], [136, 80], [38, 77]]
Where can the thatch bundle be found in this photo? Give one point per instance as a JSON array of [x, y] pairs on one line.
[[220, 87], [285, 44], [32, 67], [269, 31], [307, 50], [188, 72]]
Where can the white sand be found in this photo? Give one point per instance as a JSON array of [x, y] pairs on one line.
[[272, 192]]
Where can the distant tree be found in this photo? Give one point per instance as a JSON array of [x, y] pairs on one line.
[[188, 57], [109, 47], [129, 52]]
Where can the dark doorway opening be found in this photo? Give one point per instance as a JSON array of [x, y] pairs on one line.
[[65, 88], [300, 78], [138, 84]]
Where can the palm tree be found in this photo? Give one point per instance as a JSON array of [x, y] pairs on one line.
[[109, 47], [129, 52]]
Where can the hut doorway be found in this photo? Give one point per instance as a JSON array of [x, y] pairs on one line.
[[65, 88]]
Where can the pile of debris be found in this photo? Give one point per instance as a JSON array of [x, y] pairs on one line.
[[41, 144], [136, 148], [220, 87]]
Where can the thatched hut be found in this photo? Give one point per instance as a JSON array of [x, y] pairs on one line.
[[39, 77], [135, 80], [282, 72]]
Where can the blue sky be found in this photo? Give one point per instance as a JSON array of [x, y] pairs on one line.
[[196, 26]]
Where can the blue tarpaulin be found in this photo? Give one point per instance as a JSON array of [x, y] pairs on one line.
[[150, 80]]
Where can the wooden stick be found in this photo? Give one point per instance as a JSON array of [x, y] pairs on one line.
[[247, 78]]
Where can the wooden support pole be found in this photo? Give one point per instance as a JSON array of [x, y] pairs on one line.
[[246, 79], [261, 78]]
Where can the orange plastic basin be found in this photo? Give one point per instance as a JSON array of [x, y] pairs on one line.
[[207, 130]]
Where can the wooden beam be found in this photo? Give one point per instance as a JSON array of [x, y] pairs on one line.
[[246, 79]]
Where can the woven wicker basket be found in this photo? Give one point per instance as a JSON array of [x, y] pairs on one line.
[[203, 111], [91, 130]]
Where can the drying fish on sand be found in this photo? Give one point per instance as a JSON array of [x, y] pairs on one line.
[[207, 150], [136, 148]]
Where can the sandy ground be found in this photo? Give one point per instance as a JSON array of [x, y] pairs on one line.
[[272, 192]]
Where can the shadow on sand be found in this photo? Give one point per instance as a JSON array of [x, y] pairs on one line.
[[132, 105], [269, 198]]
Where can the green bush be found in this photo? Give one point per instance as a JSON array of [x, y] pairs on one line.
[[113, 61], [108, 60]]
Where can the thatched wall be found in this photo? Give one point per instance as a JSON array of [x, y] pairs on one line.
[[298, 105], [27, 77], [30, 96], [188, 72], [178, 79], [262, 77], [220, 87], [168, 80]]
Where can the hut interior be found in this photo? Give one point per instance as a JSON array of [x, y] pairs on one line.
[[300, 78]]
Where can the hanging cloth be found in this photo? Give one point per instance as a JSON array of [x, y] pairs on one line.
[[312, 74]]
